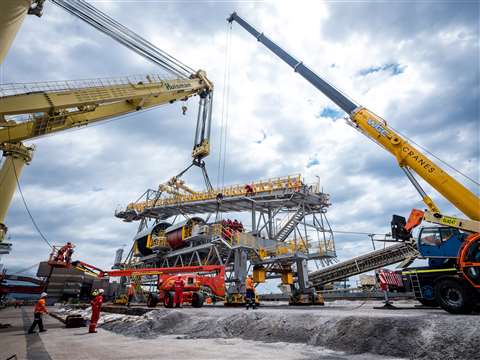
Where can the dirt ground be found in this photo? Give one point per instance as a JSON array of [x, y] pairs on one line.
[[72, 344], [348, 329]]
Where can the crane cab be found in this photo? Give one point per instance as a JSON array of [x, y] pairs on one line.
[[439, 244]]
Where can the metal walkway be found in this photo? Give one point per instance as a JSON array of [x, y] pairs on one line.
[[268, 195], [371, 261]]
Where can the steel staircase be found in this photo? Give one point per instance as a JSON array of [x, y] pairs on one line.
[[292, 221]]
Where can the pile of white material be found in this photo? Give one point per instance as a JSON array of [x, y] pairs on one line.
[[407, 334], [87, 314]]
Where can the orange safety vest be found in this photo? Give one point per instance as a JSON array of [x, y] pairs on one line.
[[40, 306], [250, 284]]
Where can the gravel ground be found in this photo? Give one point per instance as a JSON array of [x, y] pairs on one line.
[[352, 328]]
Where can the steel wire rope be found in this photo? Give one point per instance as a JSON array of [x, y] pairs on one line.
[[227, 105], [22, 271], [101, 24], [43, 237], [108, 31], [354, 232], [437, 157], [223, 106], [140, 39], [146, 44], [120, 33]]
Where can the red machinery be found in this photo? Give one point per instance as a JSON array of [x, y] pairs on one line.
[[61, 256], [36, 288], [201, 283]]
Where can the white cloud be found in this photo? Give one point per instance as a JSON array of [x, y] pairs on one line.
[[78, 178]]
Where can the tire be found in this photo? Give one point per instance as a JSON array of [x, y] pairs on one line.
[[197, 300], [454, 296], [152, 300], [168, 299]]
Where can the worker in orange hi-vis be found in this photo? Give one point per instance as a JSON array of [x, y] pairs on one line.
[[130, 293], [178, 286], [69, 252], [250, 293], [40, 309], [96, 307], [249, 190]]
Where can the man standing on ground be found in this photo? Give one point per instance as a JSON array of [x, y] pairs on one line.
[[130, 293], [40, 309], [178, 286], [250, 295], [96, 307]]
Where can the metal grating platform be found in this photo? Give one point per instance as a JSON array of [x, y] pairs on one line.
[[281, 193]]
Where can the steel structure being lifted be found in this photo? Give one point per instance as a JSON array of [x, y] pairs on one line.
[[288, 230]]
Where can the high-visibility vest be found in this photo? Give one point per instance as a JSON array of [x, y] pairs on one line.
[[250, 284], [40, 306]]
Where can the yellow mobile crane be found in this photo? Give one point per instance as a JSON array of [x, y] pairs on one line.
[[452, 277], [374, 127], [29, 111]]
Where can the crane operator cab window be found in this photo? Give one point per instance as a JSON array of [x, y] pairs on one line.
[[431, 237], [440, 242], [472, 258]]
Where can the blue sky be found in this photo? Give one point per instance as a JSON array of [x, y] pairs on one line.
[[416, 64]]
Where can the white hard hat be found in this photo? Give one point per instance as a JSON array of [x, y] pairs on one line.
[[43, 294], [101, 291]]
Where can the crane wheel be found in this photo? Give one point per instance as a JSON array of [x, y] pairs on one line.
[[168, 299], [197, 300], [454, 296]]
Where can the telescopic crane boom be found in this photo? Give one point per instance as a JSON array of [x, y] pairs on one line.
[[409, 158]]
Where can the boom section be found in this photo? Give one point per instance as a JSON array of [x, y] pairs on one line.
[[48, 111], [333, 94], [376, 128]]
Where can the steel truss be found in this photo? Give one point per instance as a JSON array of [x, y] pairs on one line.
[[289, 230]]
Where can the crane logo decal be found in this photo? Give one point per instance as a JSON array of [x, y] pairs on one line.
[[378, 127], [176, 86], [422, 161]]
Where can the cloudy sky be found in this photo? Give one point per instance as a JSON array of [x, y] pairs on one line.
[[414, 63]]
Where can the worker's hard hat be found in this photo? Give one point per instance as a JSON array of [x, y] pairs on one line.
[[101, 291], [43, 294]]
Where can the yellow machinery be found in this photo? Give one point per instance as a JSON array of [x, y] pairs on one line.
[[12, 14], [29, 111], [409, 158]]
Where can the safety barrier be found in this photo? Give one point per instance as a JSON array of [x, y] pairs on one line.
[[72, 85], [298, 246]]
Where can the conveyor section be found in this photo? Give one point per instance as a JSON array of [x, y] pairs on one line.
[[371, 261]]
